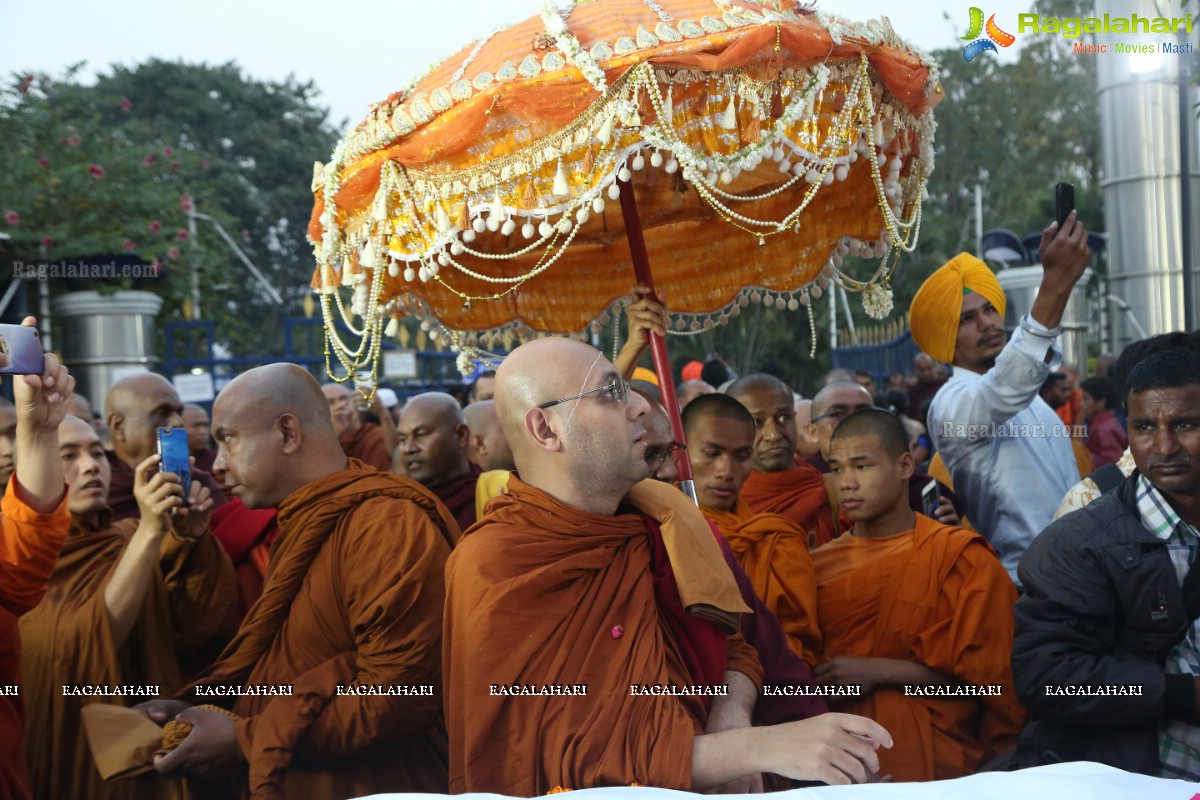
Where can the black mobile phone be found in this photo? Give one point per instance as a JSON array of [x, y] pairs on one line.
[[173, 447], [1064, 202], [20, 351], [931, 498]]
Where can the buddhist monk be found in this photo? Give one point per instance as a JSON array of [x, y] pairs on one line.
[[690, 390], [138, 606], [8, 436], [33, 525], [360, 440], [806, 444], [200, 444], [781, 483], [80, 407], [800, 699], [584, 590], [487, 448], [135, 408], [769, 547], [482, 388], [434, 441], [349, 619], [916, 613]]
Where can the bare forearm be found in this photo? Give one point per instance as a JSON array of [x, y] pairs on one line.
[[718, 758], [391, 440], [628, 359], [899, 672], [39, 466], [1050, 305], [126, 589]]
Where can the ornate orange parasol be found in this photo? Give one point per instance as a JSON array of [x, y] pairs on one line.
[[762, 142]]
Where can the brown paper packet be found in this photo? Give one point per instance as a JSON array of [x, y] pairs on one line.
[[123, 741]]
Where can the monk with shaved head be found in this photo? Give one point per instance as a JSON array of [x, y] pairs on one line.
[[349, 619], [144, 601], [8, 437], [592, 622], [781, 483], [433, 450], [915, 613], [770, 548], [362, 440], [134, 409]]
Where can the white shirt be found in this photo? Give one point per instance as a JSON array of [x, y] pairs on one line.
[[1008, 453]]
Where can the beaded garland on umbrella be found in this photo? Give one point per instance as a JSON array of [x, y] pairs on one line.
[[763, 144]]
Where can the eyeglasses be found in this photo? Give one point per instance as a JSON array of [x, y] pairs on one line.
[[655, 457], [615, 392]]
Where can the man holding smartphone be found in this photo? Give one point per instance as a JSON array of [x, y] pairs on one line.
[[1008, 453]]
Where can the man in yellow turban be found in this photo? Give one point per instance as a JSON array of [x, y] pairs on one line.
[[1008, 453]]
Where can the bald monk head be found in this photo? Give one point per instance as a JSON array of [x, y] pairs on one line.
[[660, 443], [488, 448], [274, 434], [78, 406], [85, 467], [433, 439], [770, 403], [195, 419], [586, 452], [342, 409], [8, 436], [806, 442], [872, 464], [720, 440], [832, 404], [690, 390], [135, 408]]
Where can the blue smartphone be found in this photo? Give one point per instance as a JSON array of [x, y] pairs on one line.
[[20, 351], [173, 447]]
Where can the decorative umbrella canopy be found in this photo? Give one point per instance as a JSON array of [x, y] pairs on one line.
[[763, 143]]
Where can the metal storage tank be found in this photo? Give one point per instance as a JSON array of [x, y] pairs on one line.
[[1020, 285], [1140, 125], [105, 337]]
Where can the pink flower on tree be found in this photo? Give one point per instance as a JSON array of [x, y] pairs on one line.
[[96, 171], [126, 104], [168, 152], [182, 234], [173, 253], [47, 242], [12, 217], [44, 162], [148, 161], [185, 202], [155, 226], [128, 244], [26, 82]]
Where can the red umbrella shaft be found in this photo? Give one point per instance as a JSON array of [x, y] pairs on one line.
[[658, 344]]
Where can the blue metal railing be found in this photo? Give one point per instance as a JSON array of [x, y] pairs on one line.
[[881, 360]]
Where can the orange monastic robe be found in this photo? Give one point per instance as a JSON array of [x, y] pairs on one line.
[[353, 597], [188, 614], [774, 553], [798, 494], [366, 444], [542, 593], [938, 596], [29, 544]]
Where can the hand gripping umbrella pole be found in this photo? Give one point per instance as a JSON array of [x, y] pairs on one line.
[[658, 344]]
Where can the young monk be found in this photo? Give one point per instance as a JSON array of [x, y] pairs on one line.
[[781, 483], [770, 548], [917, 613]]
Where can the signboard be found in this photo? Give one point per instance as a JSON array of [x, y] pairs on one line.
[[399, 363], [194, 388]]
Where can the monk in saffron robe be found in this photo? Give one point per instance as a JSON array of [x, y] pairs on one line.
[[585, 577], [352, 604], [134, 409], [33, 525], [247, 535], [146, 601], [917, 613], [433, 450], [364, 441], [769, 547], [781, 483]]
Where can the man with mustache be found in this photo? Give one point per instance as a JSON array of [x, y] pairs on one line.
[[1112, 598], [434, 452], [1009, 455]]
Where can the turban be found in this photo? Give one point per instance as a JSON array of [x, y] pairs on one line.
[[692, 370], [937, 306], [643, 374]]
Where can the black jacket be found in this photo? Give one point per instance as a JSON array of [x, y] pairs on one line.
[[1102, 607]]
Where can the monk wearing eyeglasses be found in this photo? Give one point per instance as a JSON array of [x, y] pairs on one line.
[[591, 624], [770, 548]]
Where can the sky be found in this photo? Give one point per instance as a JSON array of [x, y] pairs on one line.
[[356, 51]]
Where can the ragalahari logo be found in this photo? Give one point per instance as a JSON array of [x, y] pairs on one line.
[[994, 37]]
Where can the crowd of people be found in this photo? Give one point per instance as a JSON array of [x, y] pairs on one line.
[[982, 570]]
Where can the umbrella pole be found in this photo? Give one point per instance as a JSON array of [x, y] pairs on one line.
[[658, 344]]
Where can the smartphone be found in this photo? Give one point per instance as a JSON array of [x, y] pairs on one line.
[[20, 351], [1064, 202], [931, 498], [173, 447]]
